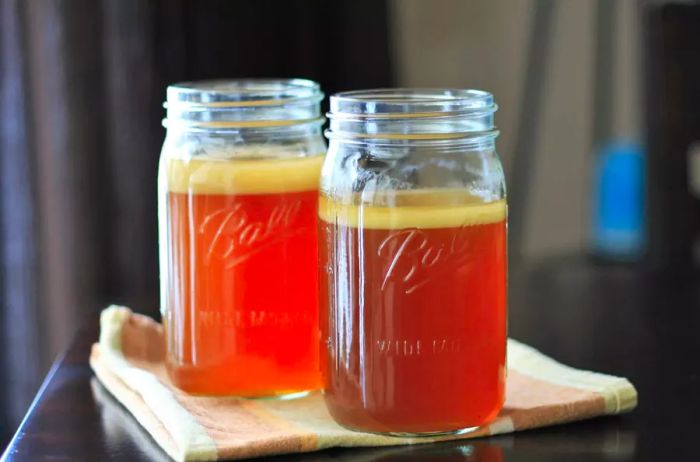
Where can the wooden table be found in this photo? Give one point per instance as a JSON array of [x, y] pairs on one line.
[[641, 325]]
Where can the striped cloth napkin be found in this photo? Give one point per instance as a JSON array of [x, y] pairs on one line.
[[129, 361]]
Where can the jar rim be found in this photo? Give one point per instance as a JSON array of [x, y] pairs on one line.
[[413, 115], [243, 92], [410, 103], [243, 104]]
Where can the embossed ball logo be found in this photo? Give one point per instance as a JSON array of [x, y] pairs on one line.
[[425, 258], [237, 237]]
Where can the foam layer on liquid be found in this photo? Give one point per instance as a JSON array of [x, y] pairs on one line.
[[243, 176], [422, 209]]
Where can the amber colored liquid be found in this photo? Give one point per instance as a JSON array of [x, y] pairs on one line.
[[241, 312], [413, 303]]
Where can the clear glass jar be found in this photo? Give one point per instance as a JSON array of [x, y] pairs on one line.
[[238, 200], [413, 256]]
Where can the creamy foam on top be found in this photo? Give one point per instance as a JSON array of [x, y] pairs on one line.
[[416, 209], [243, 176]]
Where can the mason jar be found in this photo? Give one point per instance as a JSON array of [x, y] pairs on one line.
[[238, 200], [413, 262]]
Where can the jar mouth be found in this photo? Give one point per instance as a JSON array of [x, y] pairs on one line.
[[410, 102], [243, 103], [412, 114]]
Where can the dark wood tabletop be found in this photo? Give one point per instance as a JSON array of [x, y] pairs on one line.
[[643, 325]]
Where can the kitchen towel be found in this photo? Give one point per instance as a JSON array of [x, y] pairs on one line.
[[129, 361]]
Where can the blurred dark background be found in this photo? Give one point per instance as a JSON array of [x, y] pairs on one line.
[[592, 96]]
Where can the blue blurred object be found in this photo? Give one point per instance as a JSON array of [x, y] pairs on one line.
[[618, 222]]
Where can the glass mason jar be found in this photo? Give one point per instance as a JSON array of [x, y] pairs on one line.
[[238, 201], [413, 262]]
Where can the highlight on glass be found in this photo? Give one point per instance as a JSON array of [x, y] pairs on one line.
[[412, 249], [238, 199]]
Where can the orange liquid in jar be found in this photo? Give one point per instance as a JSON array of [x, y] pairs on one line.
[[413, 303], [242, 309]]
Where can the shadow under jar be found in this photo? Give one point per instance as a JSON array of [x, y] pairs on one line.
[[238, 201], [412, 245]]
